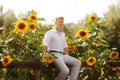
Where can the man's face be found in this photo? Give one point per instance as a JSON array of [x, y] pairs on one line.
[[59, 23]]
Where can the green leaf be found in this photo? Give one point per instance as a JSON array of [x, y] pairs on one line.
[[105, 29]]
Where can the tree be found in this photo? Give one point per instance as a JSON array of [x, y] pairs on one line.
[[112, 20], [1, 18], [9, 18]]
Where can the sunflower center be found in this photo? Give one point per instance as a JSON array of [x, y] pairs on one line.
[[92, 18], [91, 60], [33, 17], [6, 60], [114, 55], [32, 26], [21, 25], [82, 33]]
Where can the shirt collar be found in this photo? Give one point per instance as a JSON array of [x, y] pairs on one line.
[[55, 30]]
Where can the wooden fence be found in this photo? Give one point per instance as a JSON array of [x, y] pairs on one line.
[[35, 65]]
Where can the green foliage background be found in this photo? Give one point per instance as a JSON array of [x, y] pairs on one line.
[[29, 47]]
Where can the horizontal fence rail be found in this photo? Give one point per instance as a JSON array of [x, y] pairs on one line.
[[36, 65], [111, 63]]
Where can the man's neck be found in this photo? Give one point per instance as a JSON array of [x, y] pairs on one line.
[[58, 29]]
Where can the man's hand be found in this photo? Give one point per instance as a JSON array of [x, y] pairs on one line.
[[66, 52]]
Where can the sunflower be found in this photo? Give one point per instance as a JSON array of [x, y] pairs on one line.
[[113, 55], [44, 59], [32, 26], [21, 26], [82, 34], [50, 60], [47, 60], [33, 18], [91, 61], [118, 72], [92, 18], [72, 48], [6, 60]]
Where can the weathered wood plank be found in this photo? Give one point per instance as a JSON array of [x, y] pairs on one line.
[[111, 63], [37, 64], [23, 64], [114, 63]]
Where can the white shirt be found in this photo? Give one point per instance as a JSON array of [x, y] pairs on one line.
[[55, 40]]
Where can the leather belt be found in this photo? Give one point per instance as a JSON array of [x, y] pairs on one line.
[[56, 51]]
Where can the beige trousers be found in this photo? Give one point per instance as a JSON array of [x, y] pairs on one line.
[[62, 62]]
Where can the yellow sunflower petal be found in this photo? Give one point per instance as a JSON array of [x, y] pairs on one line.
[[50, 60]]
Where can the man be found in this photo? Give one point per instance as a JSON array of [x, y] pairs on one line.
[[54, 41]]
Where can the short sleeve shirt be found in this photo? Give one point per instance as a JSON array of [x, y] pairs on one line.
[[55, 40]]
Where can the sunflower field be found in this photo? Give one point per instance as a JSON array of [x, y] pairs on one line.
[[24, 43]]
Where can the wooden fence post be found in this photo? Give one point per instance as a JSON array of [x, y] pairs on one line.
[[37, 74]]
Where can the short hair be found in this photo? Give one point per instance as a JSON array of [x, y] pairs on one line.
[[59, 17]]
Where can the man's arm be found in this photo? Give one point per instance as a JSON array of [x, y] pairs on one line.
[[66, 51], [45, 49]]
